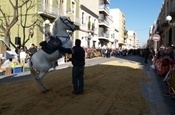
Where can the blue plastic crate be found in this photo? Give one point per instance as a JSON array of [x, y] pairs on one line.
[[17, 69]]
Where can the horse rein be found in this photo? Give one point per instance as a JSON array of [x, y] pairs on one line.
[[67, 23], [67, 39]]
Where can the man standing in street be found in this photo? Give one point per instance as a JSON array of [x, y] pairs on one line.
[[78, 62], [146, 55]]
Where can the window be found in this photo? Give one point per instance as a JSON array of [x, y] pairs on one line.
[[82, 18], [89, 18]]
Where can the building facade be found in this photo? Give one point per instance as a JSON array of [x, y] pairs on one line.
[[99, 26], [119, 23], [39, 18], [28, 26], [162, 27], [103, 33], [113, 34], [89, 23]]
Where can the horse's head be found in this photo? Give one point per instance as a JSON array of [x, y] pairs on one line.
[[60, 27], [68, 24], [64, 23]]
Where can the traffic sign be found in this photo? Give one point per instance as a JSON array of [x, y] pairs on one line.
[[156, 37]]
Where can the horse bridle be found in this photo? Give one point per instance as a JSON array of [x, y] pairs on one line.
[[66, 20], [67, 37]]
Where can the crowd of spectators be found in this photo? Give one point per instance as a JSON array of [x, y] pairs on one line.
[[17, 58]]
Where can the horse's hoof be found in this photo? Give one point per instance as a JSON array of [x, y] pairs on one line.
[[44, 92], [47, 90]]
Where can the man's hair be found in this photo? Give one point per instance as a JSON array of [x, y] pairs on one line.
[[77, 42]]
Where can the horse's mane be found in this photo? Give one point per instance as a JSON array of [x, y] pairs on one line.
[[54, 29]]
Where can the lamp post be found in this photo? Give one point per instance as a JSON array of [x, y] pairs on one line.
[[31, 32], [47, 26], [46, 30], [47, 22], [168, 19]]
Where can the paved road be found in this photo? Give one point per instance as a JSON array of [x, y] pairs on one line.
[[153, 90]]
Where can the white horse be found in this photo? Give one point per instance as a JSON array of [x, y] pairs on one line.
[[40, 62]]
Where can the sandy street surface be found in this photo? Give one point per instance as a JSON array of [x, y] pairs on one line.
[[111, 88]]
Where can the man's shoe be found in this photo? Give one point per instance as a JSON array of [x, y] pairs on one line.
[[81, 93]]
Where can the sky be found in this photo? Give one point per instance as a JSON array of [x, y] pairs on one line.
[[139, 15]]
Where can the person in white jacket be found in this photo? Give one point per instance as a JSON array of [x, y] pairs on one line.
[[22, 56]]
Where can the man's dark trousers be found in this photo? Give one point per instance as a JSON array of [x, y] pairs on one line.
[[78, 79]]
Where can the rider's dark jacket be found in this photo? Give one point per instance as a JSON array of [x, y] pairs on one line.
[[52, 45]]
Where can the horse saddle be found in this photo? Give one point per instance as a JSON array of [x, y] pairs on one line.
[[51, 46]]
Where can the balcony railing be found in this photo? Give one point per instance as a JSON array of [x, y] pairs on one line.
[[103, 22], [47, 9], [102, 34], [104, 8]]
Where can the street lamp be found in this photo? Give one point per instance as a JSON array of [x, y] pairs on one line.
[[46, 30], [47, 22], [168, 19], [47, 26], [31, 32]]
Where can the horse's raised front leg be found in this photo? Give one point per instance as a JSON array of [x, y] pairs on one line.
[[39, 80]]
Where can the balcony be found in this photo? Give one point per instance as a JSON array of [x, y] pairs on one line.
[[103, 23], [107, 1], [171, 11], [47, 10], [121, 42], [112, 40], [104, 9], [103, 36]]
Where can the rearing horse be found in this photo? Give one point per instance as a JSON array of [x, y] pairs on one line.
[[40, 62]]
